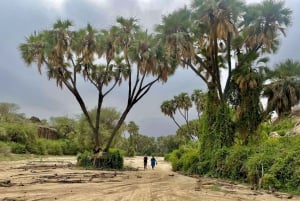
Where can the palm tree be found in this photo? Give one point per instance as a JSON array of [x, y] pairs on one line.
[[263, 23], [169, 108], [183, 104], [54, 49], [198, 97], [68, 54], [283, 91]]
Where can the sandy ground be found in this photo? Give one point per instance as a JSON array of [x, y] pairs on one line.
[[57, 178]]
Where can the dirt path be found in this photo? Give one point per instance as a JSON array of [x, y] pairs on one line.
[[57, 178]]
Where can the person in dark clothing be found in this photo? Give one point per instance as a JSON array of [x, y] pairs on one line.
[[145, 162], [153, 162]]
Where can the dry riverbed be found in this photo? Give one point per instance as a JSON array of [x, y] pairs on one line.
[[57, 178]]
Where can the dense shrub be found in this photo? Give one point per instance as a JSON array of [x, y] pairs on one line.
[[235, 163], [54, 147], [16, 134], [287, 171], [110, 160], [269, 181], [85, 159], [37, 147], [130, 152], [4, 148], [175, 159], [17, 148], [106, 160], [275, 163], [69, 147], [217, 163], [21, 133], [3, 135], [185, 159], [189, 161]]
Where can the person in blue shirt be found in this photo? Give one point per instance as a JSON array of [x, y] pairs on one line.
[[153, 162]]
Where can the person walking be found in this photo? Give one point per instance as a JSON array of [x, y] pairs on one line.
[[153, 162], [145, 162]]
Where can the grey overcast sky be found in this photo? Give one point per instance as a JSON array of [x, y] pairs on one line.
[[37, 96]]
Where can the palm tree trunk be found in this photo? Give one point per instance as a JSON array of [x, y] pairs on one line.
[[117, 127]]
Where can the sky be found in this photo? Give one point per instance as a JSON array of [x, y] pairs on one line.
[[37, 96]]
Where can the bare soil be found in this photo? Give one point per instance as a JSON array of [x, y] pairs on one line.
[[58, 178]]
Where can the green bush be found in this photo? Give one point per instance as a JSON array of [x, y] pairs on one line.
[[106, 160], [190, 160], [274, 163], [5, 149], [84, 159], [110, 160], [175, 159], [287, 171], [217, 162], [54, 147], [69, 147], [16, 134], [37, 147], [185, 159], [17, 148], [269, 181], [3, 135], [130, 152]]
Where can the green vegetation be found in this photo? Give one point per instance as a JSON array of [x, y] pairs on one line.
[[272, 164], [74, 137]]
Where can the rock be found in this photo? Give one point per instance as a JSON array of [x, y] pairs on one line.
[[274, 135]]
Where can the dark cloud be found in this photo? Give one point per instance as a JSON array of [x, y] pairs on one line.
[[39, 97], [289, 45]]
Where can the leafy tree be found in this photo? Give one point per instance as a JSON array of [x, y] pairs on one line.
[[166, 144], [190, 131], [127, 54], [145, 144], [65, 126], [133, 131], [283, 90], [8, 112]]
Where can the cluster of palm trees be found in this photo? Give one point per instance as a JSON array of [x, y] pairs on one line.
[[213, 36]]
